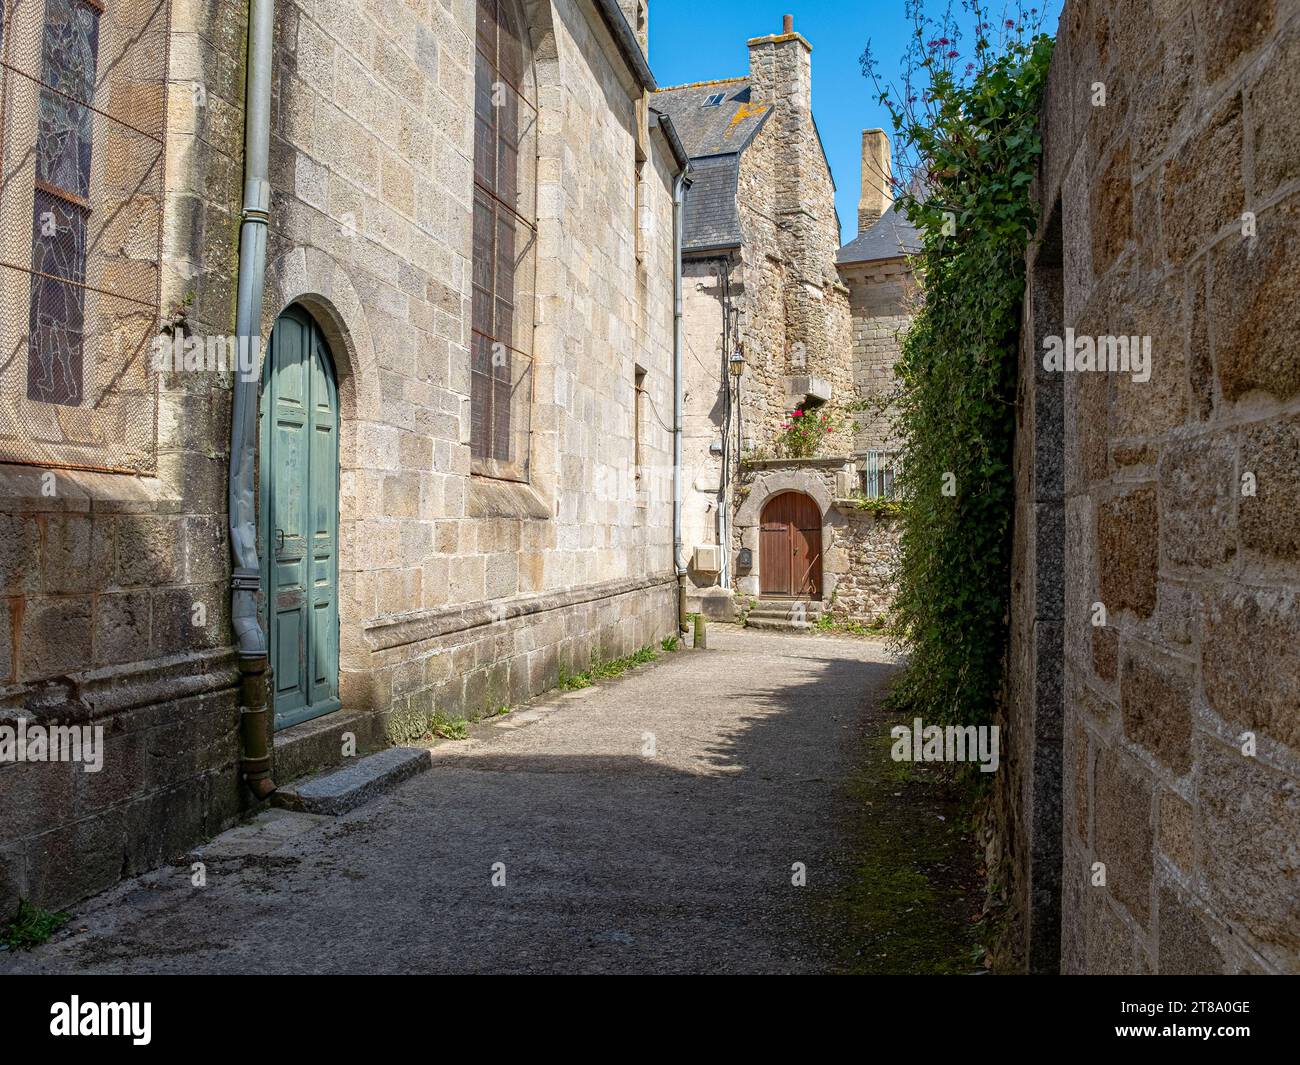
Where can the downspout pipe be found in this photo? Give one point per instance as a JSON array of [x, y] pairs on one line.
[[250, 640], [724, 503], [679, 195]]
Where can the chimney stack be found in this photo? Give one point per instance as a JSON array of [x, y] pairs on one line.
[[780, 68], [877, 187]]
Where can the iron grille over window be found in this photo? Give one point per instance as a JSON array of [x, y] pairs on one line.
[[61, 205], [504, 240], [82, 113], [876, 472]]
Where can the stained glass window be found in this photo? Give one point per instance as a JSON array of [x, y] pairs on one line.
[[503, 237], [61, 206]]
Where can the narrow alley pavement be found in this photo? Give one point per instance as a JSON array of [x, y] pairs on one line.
[[647, 824]]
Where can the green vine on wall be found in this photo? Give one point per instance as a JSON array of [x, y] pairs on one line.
[[968, 122]]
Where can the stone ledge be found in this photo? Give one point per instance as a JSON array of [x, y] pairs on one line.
[[111, 690], [849, 505], [829, 463], [82, 490], [388, 633], [801, 389]]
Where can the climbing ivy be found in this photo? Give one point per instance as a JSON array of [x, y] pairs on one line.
[[968, 124]]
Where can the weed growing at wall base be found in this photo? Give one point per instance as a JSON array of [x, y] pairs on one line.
[[30, 927]]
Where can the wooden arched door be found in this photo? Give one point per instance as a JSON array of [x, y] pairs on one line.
[[790, 547], [299, 476]]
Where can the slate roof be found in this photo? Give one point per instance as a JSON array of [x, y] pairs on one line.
[[713, 137], [889, 237], [729, 127], [709, 215]]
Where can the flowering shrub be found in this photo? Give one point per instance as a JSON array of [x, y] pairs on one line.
[[804, 431]]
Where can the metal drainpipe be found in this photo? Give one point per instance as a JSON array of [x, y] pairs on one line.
[[724, 504], [679, 191], [254, 725]]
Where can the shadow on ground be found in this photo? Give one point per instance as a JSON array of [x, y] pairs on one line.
[[769, 753]]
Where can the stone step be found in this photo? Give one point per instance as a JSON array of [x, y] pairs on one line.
[[313, 746], [775, 609], [341, 790], [770, 613], [778, 624]]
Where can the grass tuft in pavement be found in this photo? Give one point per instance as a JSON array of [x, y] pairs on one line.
[[31, 927]]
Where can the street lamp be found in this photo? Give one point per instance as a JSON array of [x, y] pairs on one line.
[[737, 361]]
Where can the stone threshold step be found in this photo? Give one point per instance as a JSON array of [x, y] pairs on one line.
[[340, 790], [780, 624]]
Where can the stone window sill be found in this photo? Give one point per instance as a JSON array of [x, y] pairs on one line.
[[23, 490], [492, 498]]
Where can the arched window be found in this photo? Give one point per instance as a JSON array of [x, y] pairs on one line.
[[61, 205], [82, 116], [505, 238]]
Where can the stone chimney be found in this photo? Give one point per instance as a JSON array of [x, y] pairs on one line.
[[877, 189], [780, 74], [780, 68]]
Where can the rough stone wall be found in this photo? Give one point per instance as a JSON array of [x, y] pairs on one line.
[[780, 73], [116, 586], [865, 590], [765, 327], [881, 296], [1180, 211], [787, 212]]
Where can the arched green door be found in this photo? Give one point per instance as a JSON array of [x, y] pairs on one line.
[[299, 484]]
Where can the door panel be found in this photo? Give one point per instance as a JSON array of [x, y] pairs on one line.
[[299, 517], [806, 530], [790, 546]]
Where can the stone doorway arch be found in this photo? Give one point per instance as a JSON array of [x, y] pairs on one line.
[[807, 479], [790, 547]]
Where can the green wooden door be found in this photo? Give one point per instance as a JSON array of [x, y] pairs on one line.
[[299, 479]]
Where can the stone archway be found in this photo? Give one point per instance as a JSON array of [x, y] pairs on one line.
[[309, 278], [766, 485]]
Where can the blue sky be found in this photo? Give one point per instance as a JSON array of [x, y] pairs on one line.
[[698, 40]]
